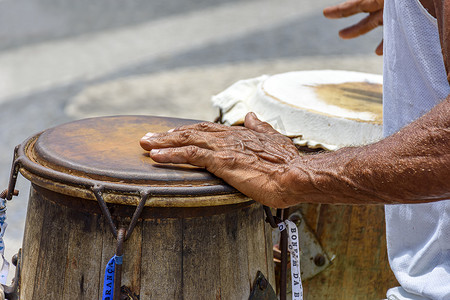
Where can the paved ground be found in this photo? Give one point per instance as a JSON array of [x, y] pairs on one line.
[[62, 60]]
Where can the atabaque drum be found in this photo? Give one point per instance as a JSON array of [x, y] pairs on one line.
[[343, 253], [182, 233]]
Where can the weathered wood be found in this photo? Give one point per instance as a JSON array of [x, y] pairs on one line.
[[232, 254], [210, 257], [60, 252], [162, 259], [133, 260], [354, 237], [81, 278], [258, 227], [201, 272], [31, 243], [197, 238], [51, 267], [269, 255], [311, 214]]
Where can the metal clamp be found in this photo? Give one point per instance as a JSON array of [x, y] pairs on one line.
[[11, 191], [98, 191], [262, 290], [11, 292]]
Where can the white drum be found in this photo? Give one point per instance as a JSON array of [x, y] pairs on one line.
[[318, 109]]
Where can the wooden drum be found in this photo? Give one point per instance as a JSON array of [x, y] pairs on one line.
[[195, 238], [323, 111]]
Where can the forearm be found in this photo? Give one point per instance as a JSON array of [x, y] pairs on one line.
[[410, 166]]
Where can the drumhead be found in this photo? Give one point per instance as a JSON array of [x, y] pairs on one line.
[[75, 157], [107, 148]]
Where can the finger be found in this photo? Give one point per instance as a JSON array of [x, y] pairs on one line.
[[175, 139], [379, 50], [343, 10], [367, 24], [252, 122], [206, 127], [184, 155], [352, 7]]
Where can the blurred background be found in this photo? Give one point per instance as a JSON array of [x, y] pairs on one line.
[[62, 60]]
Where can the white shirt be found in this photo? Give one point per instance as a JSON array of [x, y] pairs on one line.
[[415, 80]]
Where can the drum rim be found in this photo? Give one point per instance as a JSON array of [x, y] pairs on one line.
[[36, 172]]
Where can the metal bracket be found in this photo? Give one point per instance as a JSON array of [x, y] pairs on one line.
[[10, 191], [262, 290], [98, 190], [283, 238], [121, 234], [313, 258]]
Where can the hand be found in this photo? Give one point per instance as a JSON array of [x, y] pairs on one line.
[[352, 7], [254, 159]]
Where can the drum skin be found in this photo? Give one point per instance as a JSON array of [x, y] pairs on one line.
[[208, 245]]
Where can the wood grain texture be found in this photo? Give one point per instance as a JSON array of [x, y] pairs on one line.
[[255, 249], [81, 278], [132, 260], [201, 272], [354, 237], [30, 246], [162, 259], [210, 257], [53, 247], [233, 255]]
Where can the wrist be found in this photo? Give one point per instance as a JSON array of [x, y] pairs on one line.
[[341, 177]]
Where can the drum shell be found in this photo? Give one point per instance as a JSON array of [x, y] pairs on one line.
[[214, 255], [354, 238], [196, 237]]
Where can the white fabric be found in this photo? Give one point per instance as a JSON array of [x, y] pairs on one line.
[[284, 99], [418, 235], [233, 102]]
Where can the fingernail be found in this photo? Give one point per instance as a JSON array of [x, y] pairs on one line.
[[171, 130], [148, 135], [155, 151]]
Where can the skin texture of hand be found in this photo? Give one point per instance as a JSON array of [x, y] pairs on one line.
[[351, 7], [410, 166], [255, 159]]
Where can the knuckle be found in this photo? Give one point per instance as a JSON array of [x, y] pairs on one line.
[[186, 136], [192, 151], [265, 125], [206, 125]]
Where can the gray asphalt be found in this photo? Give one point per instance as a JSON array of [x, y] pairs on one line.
[[196, 59]]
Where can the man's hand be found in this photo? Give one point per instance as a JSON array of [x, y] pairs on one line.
[[255, 159], [352, 7], [411, 166]]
